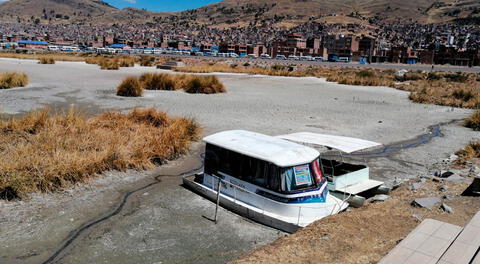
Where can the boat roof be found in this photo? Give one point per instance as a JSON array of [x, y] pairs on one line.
[[344, 144], [280, 152]]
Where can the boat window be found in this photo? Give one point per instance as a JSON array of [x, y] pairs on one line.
[[301, 177], [243, 167]]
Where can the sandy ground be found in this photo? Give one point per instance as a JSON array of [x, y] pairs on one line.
[[367, 234], [164, 223]]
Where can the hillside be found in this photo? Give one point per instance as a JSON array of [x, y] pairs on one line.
[[64, 11], [294, 11], [239, 13]]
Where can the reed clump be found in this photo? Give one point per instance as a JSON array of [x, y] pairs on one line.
[[204, 84], [172, 82], [13, 79], [469, 153], [109, 64], [162, 81], [46, 60], [473, 121], [147, 61], [39, 56], [48, 152], [130, 87]]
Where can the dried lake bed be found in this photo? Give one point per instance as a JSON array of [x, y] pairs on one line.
[[166, 223]]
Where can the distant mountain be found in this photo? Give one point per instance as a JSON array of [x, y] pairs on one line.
[[63, 11], [238, 13], [293, 11]]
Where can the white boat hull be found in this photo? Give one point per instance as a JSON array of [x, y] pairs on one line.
[[287, 217]]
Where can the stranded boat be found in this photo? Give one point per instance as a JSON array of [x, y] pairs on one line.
[[270, 180]]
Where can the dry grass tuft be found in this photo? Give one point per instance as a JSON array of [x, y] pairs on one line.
[[147, 61], [130, 87], [39, 56], [46, 60], [204, 84], [473, 121], [469, 153], [108, 64], [126, 61], [172, 82], [161, 81], [13, 79], [47, 152]]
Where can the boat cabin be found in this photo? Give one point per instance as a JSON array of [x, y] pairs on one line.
[[273, 164]]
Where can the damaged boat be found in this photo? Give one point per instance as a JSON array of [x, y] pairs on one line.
[[270, 180]]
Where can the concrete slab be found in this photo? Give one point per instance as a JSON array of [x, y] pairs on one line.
[[425, 244]]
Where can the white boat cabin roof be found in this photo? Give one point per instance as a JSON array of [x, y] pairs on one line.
[[280, 152], [344, 144]]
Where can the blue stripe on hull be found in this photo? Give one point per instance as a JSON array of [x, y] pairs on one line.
[[318, 198]]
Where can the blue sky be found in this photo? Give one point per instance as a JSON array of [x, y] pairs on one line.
[[161, 5]]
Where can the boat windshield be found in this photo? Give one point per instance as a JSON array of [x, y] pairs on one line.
[[301, 176]]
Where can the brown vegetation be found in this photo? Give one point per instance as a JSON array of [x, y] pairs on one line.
[[38, 56], [46, 60], [204, 84], [161, 81], [469, 153], [13, 79], [147, 61], [441, 88], [473, 121], [172, 82], [46, 152], [130, 87]]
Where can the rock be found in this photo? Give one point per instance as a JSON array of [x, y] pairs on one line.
[[437, 179], [416, 185], [418, 217], [473, 169], [379, 198], [453, 157], [456, 179], [444, 188], [449, 197], [473, 189], [447, 174], [446, 208], [426, 177], [428, 202], [396, 183], [401, 73]]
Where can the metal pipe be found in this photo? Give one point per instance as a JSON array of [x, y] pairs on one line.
[[219, 186]]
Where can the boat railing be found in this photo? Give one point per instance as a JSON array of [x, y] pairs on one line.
[[264, 200]]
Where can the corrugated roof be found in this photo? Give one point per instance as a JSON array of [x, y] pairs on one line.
[[280, 152]]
